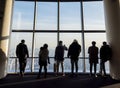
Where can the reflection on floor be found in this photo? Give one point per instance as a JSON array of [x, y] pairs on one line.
[[67, 81]]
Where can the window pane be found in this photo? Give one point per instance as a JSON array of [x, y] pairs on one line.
[[23, 15], [11, 65], [46, 16], [70, 18], [98, 37], [42, 38], [94, 16], [16, 39], [68, 38], [51, 40]]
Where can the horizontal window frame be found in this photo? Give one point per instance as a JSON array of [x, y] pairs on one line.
[[64, 31]]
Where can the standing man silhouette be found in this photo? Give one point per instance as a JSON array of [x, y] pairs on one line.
[[93, 57], [105, 55], [22, 55], [73, 52], [59, 56]]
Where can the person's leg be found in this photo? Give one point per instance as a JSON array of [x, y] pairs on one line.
[[40, 69], [104, 68], [24, 66], [95, 66], [72, 66], [101, 67], [57, 68], [76, 65], [91, 69], [45, 69], [20, 67], [62, 67]]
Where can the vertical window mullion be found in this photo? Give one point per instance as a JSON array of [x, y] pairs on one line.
[[83, 39], [34, 25], [58, 21]]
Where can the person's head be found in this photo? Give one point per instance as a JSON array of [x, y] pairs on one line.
[[75, 41], [41, 48], [60, 42], [104, 43], [45, 46], [22, 41], [93, 43]]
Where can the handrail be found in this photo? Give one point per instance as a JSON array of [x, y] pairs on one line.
[[53, 57]]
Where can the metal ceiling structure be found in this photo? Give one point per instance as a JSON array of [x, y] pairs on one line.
[[59, 0]]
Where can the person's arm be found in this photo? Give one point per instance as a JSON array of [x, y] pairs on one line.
[[65, 48], [68, 52], [55, 54], [27, 52], [48, 58], [17, 51], [79, 48], [101, 53], [89, 50]]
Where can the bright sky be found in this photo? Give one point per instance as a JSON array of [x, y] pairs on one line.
[[69, 20]]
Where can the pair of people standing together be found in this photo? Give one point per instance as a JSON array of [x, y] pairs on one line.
[[105, 54], [22, 54], [73, 52]]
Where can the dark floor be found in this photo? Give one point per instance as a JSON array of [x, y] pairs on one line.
[[80, 81]]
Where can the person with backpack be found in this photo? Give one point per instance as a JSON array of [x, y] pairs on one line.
[[43, 60]]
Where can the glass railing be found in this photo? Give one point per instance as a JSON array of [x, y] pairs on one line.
[[13, 65]]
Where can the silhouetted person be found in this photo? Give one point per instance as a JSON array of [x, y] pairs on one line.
[[22, 55], [93, 57], [105, 54], [43, 60], [73, 53], [59, 57]]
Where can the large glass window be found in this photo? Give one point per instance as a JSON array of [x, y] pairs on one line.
[[23, 15], [42, 38], [70, 16], [68, 38], [93, 16], [99, 38], [46, 25], [16, 39], [13, 65], [46, 16]]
